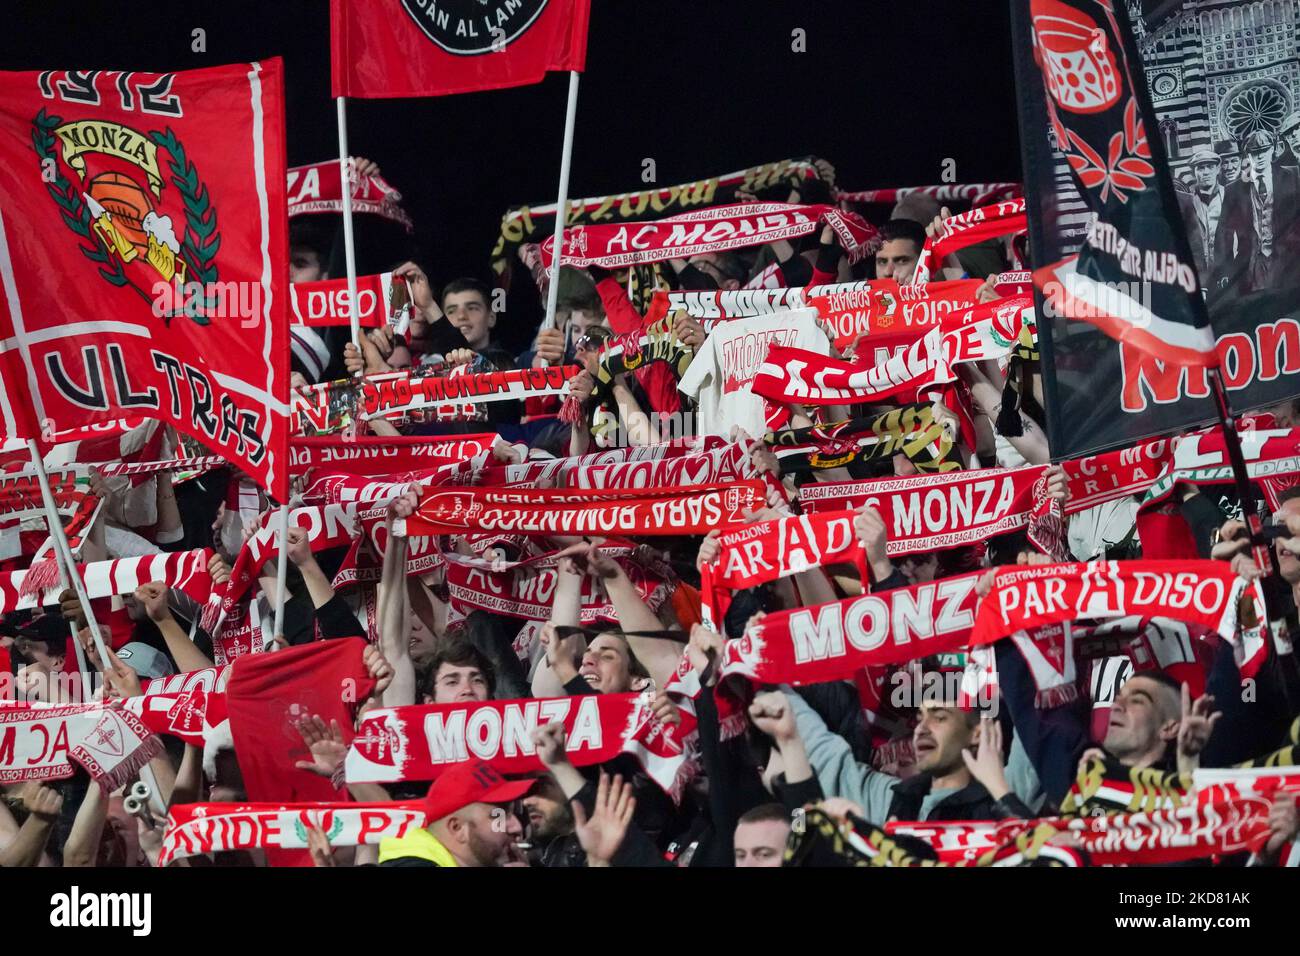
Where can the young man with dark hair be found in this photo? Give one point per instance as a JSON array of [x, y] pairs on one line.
[[901, 242], [467, 303], [457, 672]]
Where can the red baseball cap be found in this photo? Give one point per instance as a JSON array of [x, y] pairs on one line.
[[468, 783]]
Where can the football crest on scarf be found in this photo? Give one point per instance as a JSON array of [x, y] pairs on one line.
[[137, 205], [473, 27]]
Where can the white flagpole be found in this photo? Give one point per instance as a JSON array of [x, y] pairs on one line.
[[68, 567], [349, 250], [562, 202], [281, 572]]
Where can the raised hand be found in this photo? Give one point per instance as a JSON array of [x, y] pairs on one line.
[[325, 744], [603, 833]]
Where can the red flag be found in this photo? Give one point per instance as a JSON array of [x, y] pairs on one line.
[[143, 245], [269, 693], [427, 48]]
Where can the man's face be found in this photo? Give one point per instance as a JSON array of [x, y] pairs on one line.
[[582, 320], [1137, 717], [305, 265], [455, 684], [1293, 140], [1259, 160], [896, 259], [549, 815], [1231, 168], [940, 736], [469, 313], [489, 834], [1288, 563], [761, 843], [1207, 177], [605, 665]]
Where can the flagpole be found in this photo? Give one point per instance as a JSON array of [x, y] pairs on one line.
[[349, 250], [562, 201], [68, 567], [281, 573], [1265, 557]]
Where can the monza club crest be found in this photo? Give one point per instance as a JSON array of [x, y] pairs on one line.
[[473, 27], [135, 205]]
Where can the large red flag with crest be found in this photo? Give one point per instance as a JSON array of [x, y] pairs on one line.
[[143, 252], [381, 48]]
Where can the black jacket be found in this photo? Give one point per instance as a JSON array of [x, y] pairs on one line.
[[971, 802]]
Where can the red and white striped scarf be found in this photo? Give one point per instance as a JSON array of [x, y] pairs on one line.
[[365, 454], [1005, 218], [184, 570], [419, 742]]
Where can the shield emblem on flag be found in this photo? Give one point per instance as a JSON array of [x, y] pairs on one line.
[[1079, 66]]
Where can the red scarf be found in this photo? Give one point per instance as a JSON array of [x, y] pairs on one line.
[[367, 454], [195, 828], [513, 595], [716, 229], [184, 570], [888, 314], [777, 548], [967, 229], [810, 645], [319, 188], [1199, 829], [974, 193], [554, 472], [925, 512], [329, 303], [726, 464], [670, 510], [420, 742], [1205, 593], [395, 397], [930, 512], [983, 332]]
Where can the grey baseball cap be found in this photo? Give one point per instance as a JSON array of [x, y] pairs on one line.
[[148, 662]]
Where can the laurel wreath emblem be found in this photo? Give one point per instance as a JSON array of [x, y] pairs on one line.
[[202, 240]]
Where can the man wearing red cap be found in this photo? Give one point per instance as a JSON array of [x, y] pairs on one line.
[[470, 822]]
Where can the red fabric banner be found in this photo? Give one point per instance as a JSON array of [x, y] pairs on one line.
[[423, 48], [157, 199]]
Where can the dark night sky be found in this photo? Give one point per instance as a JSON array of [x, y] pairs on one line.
[[885, 91]]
